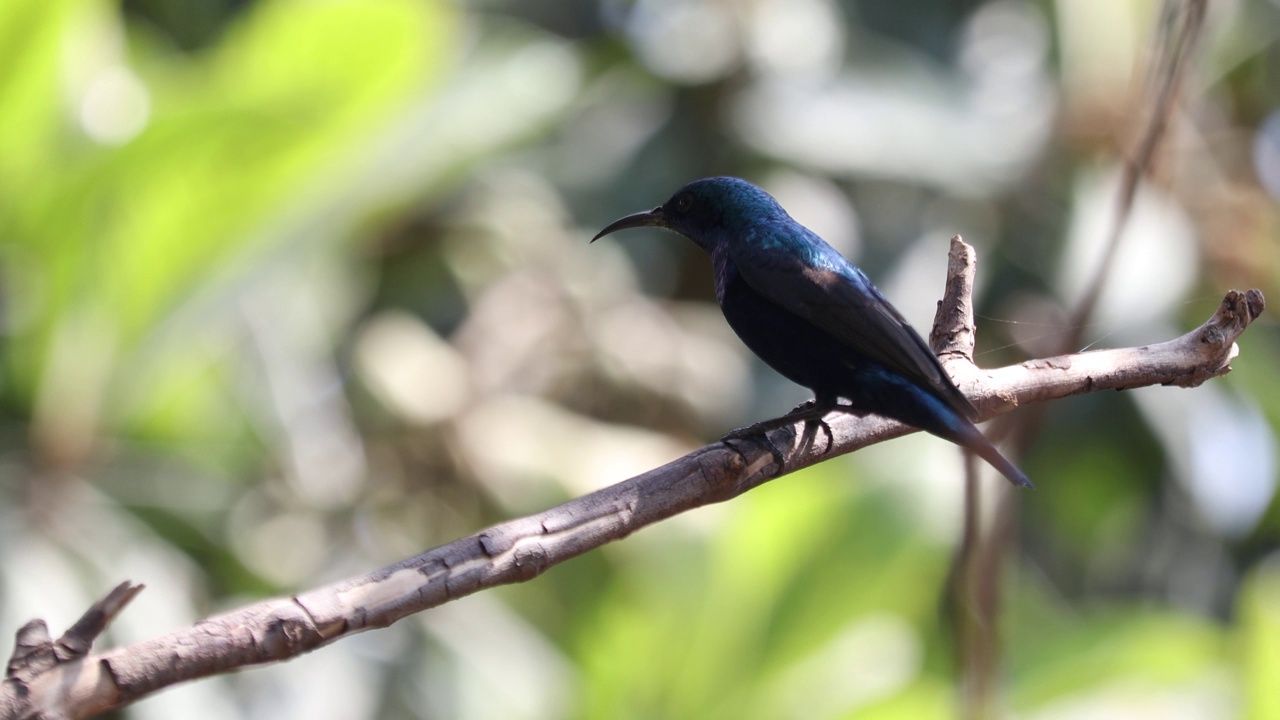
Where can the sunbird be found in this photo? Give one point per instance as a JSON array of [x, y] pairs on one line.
[[814, 317]]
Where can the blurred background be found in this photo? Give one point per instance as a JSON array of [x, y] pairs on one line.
[[292, 289]]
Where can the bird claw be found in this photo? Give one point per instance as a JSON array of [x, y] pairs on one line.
[[753, 432], [804, 407], [745, 432], [811, 434]]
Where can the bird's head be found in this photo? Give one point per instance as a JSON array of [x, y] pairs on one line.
[[708, 211]]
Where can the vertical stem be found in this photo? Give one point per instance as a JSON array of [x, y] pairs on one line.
[[975, 606]]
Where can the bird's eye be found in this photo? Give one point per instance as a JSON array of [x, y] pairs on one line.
[[683, 203]]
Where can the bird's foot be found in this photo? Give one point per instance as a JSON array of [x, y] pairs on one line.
[[810, 412], [804, 408], [814, 412], [760, 428], [774, 450], [761, 431], [811, 435]]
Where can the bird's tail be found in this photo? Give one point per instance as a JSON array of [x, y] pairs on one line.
[[979, 443], [951, 425], [898, 398], [961, 431]]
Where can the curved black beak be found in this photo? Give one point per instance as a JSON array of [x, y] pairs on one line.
[[652, 218]]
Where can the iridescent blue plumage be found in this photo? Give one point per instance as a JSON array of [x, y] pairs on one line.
[[814, 317]]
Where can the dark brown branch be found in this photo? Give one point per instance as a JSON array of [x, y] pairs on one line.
[[77, 686]]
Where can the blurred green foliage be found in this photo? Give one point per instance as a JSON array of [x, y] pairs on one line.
[[290, 289]]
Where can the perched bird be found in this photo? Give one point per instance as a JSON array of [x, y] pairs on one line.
[[815, 317]]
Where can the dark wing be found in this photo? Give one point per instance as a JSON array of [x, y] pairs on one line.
[[846, 305]]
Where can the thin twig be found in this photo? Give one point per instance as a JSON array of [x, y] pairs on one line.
[[1166, 75]]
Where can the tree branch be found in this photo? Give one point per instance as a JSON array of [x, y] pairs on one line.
[[44, 681]]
